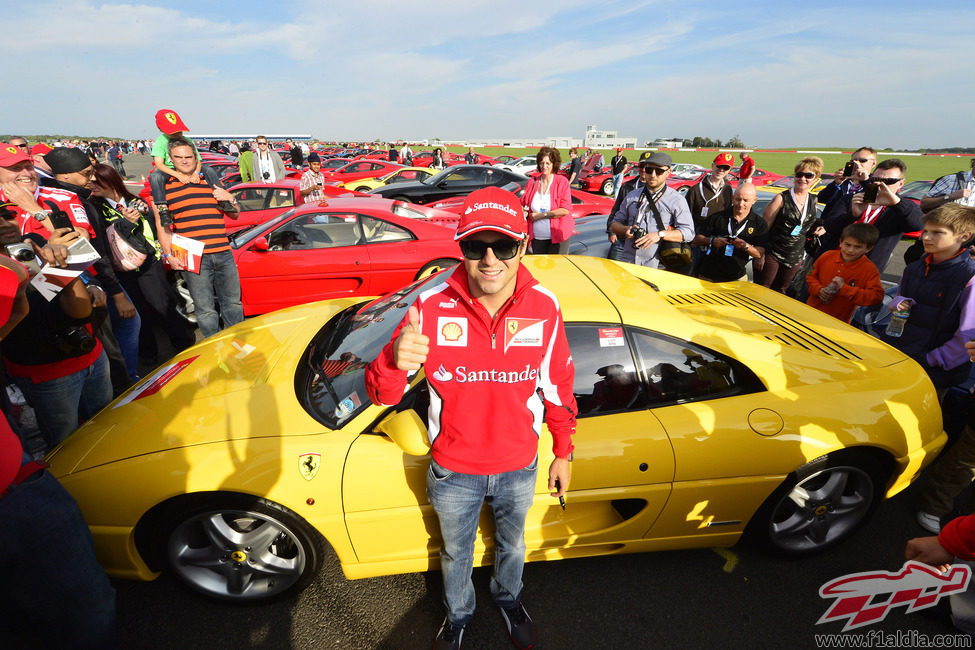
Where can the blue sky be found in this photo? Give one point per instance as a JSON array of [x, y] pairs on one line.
[[892, 74]]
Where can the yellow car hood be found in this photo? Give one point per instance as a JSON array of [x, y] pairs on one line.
[[236, 384]]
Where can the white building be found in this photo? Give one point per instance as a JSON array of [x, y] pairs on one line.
[[598, 139]]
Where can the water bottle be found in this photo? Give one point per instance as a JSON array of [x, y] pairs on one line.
[[898, 319]]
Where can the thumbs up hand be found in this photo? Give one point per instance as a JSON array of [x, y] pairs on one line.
[[411, 347]]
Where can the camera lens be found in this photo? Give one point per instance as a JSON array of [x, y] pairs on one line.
[[24, 255]]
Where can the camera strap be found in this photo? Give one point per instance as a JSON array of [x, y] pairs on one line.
[[651, 198]]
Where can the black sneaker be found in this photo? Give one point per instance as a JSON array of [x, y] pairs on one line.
[[448, 636], [521, 628], [165, 218]]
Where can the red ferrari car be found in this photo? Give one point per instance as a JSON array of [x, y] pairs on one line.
[[760, 177], [340, 247], [425, 158], [358, 169], [259, 202]]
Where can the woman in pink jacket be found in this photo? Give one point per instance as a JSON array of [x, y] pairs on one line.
[[549, 206]]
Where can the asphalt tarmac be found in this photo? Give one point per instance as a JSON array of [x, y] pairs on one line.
[[738, 597]]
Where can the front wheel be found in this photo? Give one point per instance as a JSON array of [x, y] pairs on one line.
[[607, 187], [242, 549], [363, 188], [820, 504], [435, 266]]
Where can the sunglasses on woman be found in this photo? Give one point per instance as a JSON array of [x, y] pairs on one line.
[[475, 249], [809, 175]]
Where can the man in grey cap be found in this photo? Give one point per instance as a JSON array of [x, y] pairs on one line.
[[638, 222]]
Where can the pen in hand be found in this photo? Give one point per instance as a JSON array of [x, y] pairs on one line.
[[558, 488]]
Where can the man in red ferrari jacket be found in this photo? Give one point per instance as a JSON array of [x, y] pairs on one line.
[[497, 363]]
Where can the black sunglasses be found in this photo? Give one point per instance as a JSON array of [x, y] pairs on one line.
[[860, 160], [475, 249], [805, 175], [885, 181], [261, 143], [724, 168], [22, 145]]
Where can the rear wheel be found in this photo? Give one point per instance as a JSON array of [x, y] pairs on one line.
[[820, 504], [607, 187], [363, 188], [240, 548], [435, 266]]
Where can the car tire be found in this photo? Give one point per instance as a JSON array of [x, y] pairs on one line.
[[820, 504], [240, 548], [363, 188], [403, 198], [435, 266], [607, 187]]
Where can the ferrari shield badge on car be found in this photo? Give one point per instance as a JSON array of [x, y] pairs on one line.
[[308, 465]]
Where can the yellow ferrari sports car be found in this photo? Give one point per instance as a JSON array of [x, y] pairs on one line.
[[706, 411], [404, 175]]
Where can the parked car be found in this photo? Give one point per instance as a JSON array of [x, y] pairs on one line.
[[706, 412], [402, 175], [359, 170], [459, 180], [340, 247]]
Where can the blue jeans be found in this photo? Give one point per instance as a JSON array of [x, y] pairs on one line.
[[217, 281], [617, 181], [457, 498], [58, 403], [126, 332], [53, 587]]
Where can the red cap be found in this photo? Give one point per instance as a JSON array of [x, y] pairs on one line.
[[724, 159], [169, 122], [40, 149], [10, 155], [492, 208]]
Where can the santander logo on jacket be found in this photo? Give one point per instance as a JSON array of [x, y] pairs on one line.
[[492, 381]]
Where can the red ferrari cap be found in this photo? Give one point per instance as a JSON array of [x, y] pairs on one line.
[[40, 149], [492, 208], [169, 122], [724, 159], [10, 155]]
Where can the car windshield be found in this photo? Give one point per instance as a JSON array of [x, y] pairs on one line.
[[330, 380], [439, 176], [241, 237]]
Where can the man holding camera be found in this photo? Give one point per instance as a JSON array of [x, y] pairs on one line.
[[877, 203], [196, 214], [638, 222], [268, 166], [848, 180]]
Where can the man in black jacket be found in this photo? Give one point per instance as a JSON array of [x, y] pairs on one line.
[[73, 172]]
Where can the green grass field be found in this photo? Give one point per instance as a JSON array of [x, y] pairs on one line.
[[918, 167]]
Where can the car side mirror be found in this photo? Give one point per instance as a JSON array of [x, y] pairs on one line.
[[442, 184], [407, 430], [260, 245]]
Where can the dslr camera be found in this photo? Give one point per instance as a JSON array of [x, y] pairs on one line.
[[74, 341], [637, 232], [266, 175]]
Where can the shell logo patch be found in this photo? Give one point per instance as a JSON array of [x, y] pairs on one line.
[[523, 332], [452, 331], [171, 117], [308, 465]]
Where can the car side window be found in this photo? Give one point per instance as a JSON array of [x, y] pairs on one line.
[[318, 230], [679, 371], [252, 198], [606, 379], [377, 230]]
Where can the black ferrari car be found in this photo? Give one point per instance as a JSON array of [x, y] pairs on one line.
[[458, 180]]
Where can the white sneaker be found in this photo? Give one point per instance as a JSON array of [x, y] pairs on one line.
[[929, 522]]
